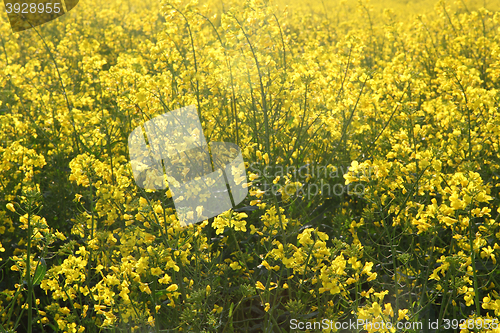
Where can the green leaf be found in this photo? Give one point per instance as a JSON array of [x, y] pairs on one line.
[[40, 272], [160, 293]]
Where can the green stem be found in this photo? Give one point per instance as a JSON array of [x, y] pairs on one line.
[[262, 90], [28, 268], [473, 259]]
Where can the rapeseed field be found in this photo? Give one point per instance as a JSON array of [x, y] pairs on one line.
[[370, 133]]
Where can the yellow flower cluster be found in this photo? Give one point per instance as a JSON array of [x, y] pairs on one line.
[[407, 107]]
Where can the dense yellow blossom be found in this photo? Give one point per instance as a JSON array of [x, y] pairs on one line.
[[370, 132]]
